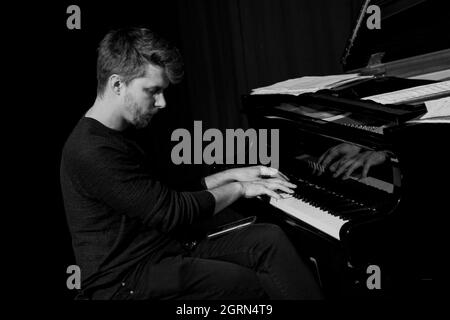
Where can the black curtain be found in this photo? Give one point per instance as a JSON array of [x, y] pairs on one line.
[[234, 46]]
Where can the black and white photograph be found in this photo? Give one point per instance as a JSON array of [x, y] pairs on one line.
[[227, 155]]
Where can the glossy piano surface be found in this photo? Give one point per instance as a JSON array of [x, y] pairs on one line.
[[328, 204], [332, 205]]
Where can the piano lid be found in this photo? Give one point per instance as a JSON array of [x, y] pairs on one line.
[[411, 30]]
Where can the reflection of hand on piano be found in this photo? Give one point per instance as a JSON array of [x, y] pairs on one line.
[[364, 160], [343, 159]]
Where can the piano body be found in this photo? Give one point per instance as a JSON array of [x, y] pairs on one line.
[[388, 220]]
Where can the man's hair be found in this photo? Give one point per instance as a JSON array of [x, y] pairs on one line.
[[127, 53]]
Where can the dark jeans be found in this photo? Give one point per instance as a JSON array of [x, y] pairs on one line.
[[255, 262]]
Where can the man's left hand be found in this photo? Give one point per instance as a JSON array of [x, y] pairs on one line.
[[255, 173], [245, 174]]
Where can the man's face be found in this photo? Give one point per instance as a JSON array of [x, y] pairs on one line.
[[144, 96]]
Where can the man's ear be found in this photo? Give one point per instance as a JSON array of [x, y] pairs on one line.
[[115, 83]]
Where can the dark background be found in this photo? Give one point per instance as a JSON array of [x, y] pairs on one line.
[[228, 46]]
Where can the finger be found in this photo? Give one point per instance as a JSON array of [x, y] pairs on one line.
[[324, 155], [286, 195], [326, 162], [319, 163], [283, 176], [277, 186], [343, 165], [282, 182], [337, 164], [320, 168], [271, 193], [378, 157], [365, 170], [355, 165], [273, 172], [268, 171], [316, 168], [274, 184]]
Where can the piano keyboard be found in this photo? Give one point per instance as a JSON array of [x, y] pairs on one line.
[[322, 207], [311, 215]]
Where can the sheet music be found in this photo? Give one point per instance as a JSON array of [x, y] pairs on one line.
[[437, 108], [301, 85], [414, 94], [438, 111]]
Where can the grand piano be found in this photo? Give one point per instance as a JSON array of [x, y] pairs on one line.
[[373, 236]]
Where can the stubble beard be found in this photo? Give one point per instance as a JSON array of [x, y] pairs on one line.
[[139, 119]]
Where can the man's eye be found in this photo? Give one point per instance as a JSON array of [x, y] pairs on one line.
[[153, 92]]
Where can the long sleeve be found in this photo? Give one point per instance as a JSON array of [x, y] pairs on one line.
[[108, 173]]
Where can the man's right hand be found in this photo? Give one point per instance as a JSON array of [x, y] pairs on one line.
[[228, 193]]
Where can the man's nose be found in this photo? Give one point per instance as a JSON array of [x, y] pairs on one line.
[[160, 101]]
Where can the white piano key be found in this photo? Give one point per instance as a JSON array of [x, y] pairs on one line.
[[311, 215]]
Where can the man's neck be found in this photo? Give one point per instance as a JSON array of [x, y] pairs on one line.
[[106, 113]]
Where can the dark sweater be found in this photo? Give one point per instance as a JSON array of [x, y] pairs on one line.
[[118, 214]]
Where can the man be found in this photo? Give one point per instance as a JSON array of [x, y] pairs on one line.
[[122, 220]]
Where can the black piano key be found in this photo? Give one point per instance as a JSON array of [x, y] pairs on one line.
[[331, 200]]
